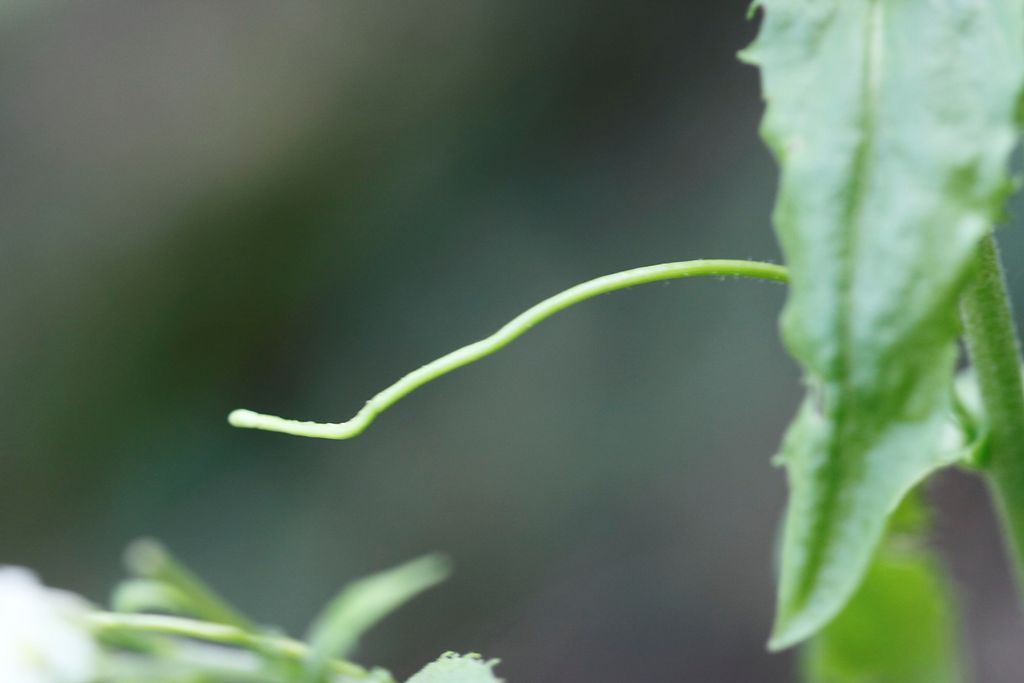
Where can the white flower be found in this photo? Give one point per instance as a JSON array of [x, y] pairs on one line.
[[43, 637]]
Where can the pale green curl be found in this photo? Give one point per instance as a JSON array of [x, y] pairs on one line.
[[512, 329]]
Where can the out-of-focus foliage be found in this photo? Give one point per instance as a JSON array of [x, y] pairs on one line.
[[901, 625], [217, 643], [897, 627], [362, 604]]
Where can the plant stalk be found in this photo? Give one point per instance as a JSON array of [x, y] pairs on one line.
[[107, 623], [995, 354]]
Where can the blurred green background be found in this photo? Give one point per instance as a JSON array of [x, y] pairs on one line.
[[286, 205]]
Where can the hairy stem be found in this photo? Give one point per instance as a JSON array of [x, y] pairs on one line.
[[995, 355], [511, 330], [113, 623]]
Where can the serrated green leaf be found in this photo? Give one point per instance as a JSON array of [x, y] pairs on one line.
[[363, 603], [900, 626], [452, 668], [892, 123]]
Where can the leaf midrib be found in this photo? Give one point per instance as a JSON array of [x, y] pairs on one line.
[[832, 471]]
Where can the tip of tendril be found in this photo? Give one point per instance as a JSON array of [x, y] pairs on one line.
[[245, 419]]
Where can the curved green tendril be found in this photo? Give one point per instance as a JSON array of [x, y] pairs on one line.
[[512, 329]]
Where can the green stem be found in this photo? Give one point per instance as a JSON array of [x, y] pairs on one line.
[[113, 623], [514, 328], [995, 355]]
